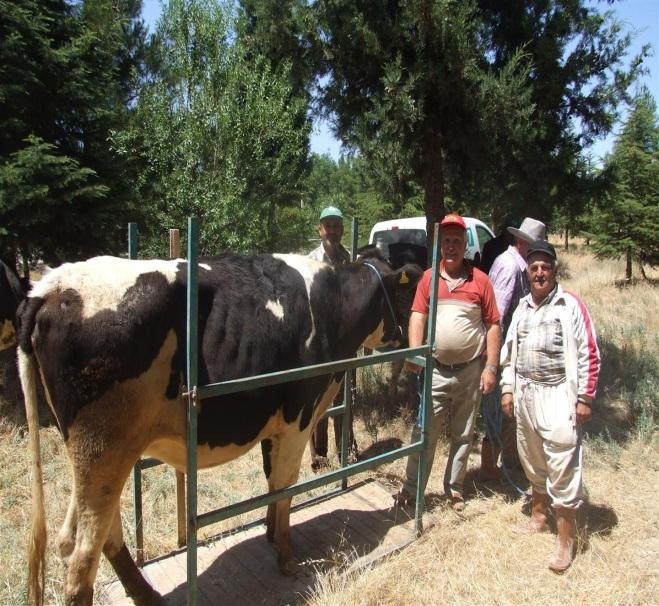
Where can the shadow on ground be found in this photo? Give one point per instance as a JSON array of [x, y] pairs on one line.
[[246, 573]]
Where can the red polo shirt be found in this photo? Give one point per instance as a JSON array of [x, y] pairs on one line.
[[462, 314]]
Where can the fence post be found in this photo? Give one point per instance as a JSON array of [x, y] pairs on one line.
[[175, 253], [137, 468], [191, 364], [349, 381], [427, 388]]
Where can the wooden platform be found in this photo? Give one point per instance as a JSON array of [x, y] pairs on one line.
[[240, 569]]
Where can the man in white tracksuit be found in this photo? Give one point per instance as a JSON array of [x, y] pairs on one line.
[[550, 366]]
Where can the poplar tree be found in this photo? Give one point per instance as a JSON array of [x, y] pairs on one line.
[[217, 134]]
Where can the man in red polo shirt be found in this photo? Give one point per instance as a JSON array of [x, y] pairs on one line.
[[465, 353]]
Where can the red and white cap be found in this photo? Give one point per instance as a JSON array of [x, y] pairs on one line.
[[453, 220]]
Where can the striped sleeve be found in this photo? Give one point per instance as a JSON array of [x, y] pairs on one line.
[[588, 355]]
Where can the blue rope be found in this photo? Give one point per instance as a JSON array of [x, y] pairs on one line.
[[386, 294], [493, 417]]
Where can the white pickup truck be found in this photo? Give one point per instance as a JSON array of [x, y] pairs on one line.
[[412, 230]]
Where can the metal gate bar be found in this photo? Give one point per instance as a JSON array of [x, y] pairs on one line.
[[194, 393]]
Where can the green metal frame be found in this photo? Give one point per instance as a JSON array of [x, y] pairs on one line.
[[194, 393]]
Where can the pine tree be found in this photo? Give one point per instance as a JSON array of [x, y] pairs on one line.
[[47, 203], [627, 222], [486, 101], [68, 75]]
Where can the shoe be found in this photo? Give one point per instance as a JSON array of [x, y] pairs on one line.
[[563, 556], [457, 502]]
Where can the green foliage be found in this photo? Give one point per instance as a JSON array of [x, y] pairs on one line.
[[349, 185], [216, 134], [276, 31], [49, 203], [627, 221], [489, 102], [68, 71]]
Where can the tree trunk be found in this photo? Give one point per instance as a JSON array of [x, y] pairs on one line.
[[628, 270], [567, 242], [433, 187], [271, 226]]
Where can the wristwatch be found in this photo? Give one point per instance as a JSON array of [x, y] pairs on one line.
[[492, 368]]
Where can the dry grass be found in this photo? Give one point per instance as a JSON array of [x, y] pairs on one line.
[[472, 558]]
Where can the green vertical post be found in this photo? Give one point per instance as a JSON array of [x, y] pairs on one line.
[[137, 468], [348, 381], [426, 413], [191, 368], [132, 240]]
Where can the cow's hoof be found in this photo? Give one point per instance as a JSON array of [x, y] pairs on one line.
[[288, 567], [148, 598]]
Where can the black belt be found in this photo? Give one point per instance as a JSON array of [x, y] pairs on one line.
[[455, 366]]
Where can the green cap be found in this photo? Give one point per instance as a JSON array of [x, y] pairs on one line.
[[331, 211]]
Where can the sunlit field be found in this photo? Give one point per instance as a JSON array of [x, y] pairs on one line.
[[473, 557]]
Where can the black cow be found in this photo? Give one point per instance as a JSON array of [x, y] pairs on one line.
[[108, 337], [400, 254], [11, 294]]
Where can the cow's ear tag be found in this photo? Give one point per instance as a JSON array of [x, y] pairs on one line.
[[403, 279]]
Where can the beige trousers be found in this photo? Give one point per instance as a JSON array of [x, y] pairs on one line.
[[549, 441], [456, 395]]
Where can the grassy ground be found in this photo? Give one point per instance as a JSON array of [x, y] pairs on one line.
[[468, 558]]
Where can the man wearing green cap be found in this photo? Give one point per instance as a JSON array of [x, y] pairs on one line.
[[330, 229]]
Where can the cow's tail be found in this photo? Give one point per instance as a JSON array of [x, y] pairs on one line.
[[37, 549]]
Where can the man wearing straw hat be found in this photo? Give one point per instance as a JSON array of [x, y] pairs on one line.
[[499, 244], [550, 366], [510, 283]]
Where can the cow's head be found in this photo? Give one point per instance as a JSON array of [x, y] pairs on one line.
[[396, 289]]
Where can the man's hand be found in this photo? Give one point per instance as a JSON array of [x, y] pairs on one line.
[[584, 413], [488, 380], [507, 404]]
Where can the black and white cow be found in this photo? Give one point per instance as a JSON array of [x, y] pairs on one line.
[[107, 337]]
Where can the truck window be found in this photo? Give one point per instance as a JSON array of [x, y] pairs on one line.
[[483, 236]]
